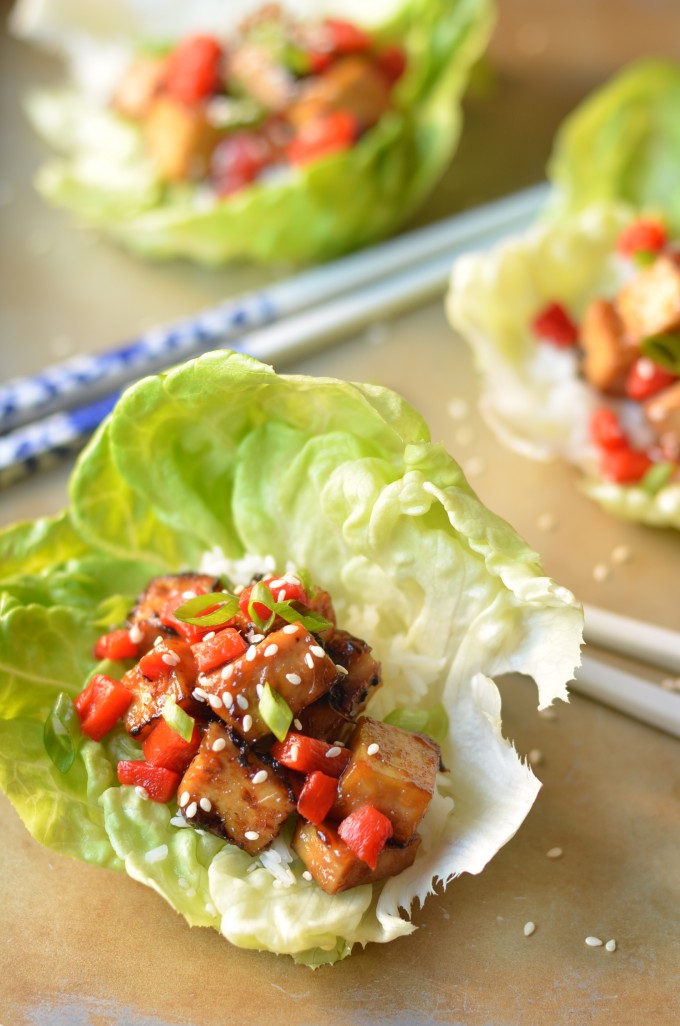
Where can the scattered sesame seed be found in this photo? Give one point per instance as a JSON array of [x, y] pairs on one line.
[[458, 409], [141, 791], [290, 628], [247, 722], [181, 882], [227, 671], [170, 658], [158, 640], [333, 751], [209, 636], [259, 688], [271, 650], [242, 701], [191, 892], [529, 928], [188, 595], [178, 821], [251, 653], [554, 853], [601, 572], [475, 466], [317, 651], [309, 660], [135, 634], [547, 714], [546, 522], [205, 804], [297, 724], [260, 777], [341, 669], [219, 744], [156, 854], [253, 637], [610, 945], [294, 678], [184, 798], [191, 810], [278, 583], [215, 701], [535, 757], [593, 942], [281, 597], [373, 749], [621, 554], [228, 699], [251, 835], [306, 875]]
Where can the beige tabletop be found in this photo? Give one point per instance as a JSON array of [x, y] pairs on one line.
[[83, 946]]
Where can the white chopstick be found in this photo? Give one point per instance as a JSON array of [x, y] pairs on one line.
[[629, 694], [658, 646]]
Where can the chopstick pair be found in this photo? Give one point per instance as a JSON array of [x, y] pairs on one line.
[[284, 321], [624, 691]]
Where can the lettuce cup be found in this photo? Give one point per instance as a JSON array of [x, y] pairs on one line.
[[222, 467]]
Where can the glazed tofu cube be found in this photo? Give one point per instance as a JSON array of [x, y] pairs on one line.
[[391, 769], [650, 303], [150, 695], [179, 140], [332, 717], [351, 84], [336, 868], [224, 791], [663, 415], [290, 660], [139, 86], [607, 354]]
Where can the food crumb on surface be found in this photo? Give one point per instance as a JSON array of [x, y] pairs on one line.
[[458, 408], [546, 522], [610, 945], [554, 853], [621, 554], [307, 875], [535, 757], [601, 572], [593, 942], [547, 714], [529, 928]]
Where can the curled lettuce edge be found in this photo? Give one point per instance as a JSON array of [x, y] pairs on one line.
[[540, 409], [344, 480], [316, 212]]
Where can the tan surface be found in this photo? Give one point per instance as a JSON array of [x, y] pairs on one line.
[[85, 946]]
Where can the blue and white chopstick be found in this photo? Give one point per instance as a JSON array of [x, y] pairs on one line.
[[86, 377]]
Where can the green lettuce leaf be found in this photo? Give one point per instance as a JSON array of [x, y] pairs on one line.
[[623, 144], [329, 207], [223, 457]]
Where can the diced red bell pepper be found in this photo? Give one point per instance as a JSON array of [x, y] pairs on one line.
[[307, 754], [189, 631], [322, 136], [227, 644], [346, 37], [101, 704], [392, 63], [165, 747], [116, 645], [317, 796], [159, 783], [625, 465], [365, 832], [642, 236], [284, 591], [646, 378], [605, 430], [553, 324], [153, 665], [192, 71], [237, 161]]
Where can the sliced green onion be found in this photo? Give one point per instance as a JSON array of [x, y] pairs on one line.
[[61, 733], [177, 719], [190, 611], [275, 712], [434, 721], [656, 477], [262, 595], [664, 350], [311, 621]]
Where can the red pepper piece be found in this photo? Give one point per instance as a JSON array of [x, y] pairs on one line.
[[165, 747], [101, 704], [191, 632], [237, 161], [642, 236], [153, 665], [625, 465], [553, 324], [192, 72], [323, 136], [365, 832], [646, 378], [116, 645], [306, 754], [159, 783], [345, 37], [392, 62], [605, 430], [225, 646], [284, 590], [317, 796]]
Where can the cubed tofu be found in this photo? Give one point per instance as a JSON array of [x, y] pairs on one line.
[[663, 415], [391, 769], [139, 86], [224, 791], [290, 660], [150, 695], [336, 868], [650, 303], [607, 353], [332, 717], [351, 84], [179, 139]]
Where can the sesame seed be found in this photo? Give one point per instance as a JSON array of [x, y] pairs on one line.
[[181, 882], [210, 909], [277, 583], [373, 749], [547, 714], [135, 634], [546, 522], [170, 658], [593, 942], [158, 640], [209, 636], [227, 671], [259, 688], [242, 701], [333, 751], [228, 699], [191, 892], [535, 757], [253, 638], [317, 651], [307, 875], [247, 722], [186, 595], [601, 572], [309, 660], [281, 597], [294, 678], [191, 810], [205, 804], [156, 854], [184, 798], [297, 724], [621, 554], [271, 650], [529, 928], [610, 945], [260, 777], [554, 853], [341, 669], [141, 791], [458, 409], [219, 744], [251, 653], [215, 701], [200, 694], [251, 835], [290, 628]]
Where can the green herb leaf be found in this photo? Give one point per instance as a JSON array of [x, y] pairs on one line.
[[177, 719], [664, 350], [61, 733], [656, 477], [291, 612], [275, 712], [192, 611], [434, 722]]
